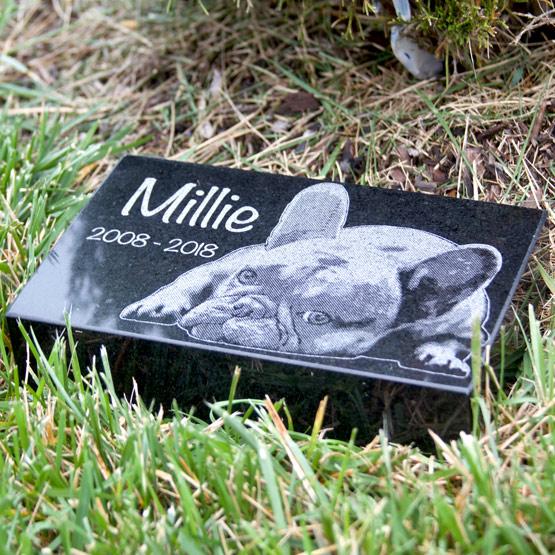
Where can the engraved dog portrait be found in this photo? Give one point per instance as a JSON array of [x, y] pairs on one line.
[[321, 289]]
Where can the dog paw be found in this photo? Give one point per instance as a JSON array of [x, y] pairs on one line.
[[436, 354]]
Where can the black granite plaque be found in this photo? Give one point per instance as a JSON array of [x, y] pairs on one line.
[[312, 281]]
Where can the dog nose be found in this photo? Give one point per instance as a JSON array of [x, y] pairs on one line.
[[254, 306]]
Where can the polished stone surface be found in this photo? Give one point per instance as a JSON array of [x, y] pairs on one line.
[[344, 279]]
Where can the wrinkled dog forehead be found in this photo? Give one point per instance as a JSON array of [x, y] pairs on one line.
[[349, 293], [354, 270], [322, 261]]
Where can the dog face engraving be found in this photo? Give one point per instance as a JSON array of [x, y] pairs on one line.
[[319, 288]]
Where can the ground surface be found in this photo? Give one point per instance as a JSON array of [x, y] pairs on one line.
[[83, 470]]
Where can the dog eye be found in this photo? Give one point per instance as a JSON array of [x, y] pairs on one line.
[[315, 317], [247, 276]]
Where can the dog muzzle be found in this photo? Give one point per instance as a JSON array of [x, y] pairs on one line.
[[249, 320]]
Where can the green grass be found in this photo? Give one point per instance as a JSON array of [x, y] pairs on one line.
[[42, 160], [85, 470]]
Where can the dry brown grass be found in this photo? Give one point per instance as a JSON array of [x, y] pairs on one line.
[[223, 89]]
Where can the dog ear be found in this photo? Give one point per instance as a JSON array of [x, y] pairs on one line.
[[435, 285], [318, 211]]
